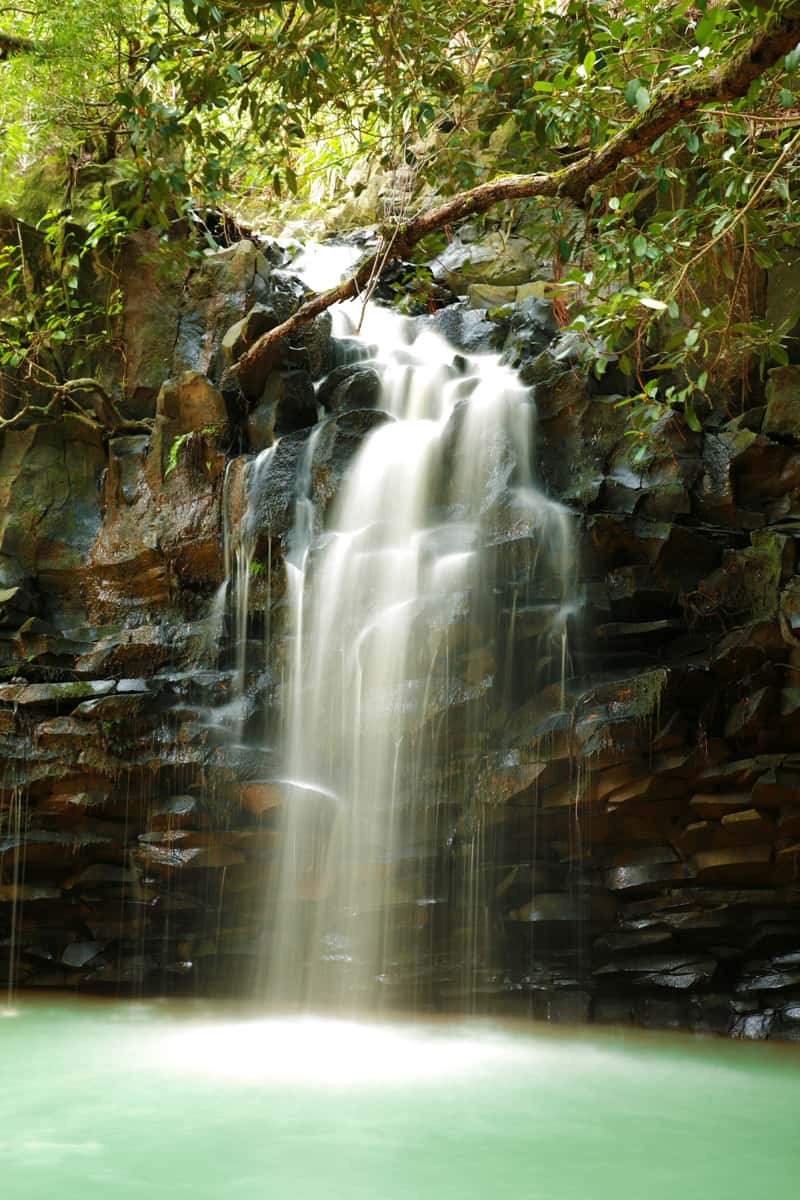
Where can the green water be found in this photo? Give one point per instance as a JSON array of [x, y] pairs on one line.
[[146, 1101]]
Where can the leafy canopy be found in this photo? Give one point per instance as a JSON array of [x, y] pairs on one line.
[[260, 104]]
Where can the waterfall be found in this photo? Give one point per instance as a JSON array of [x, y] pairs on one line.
[[399, 665]]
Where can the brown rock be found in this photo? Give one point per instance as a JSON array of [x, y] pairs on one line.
[[746, 864], [751, 714], [715, 805]]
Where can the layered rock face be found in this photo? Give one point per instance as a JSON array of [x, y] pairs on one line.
[[628, 847]]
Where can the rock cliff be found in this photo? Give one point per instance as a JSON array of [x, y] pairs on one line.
[[639, 844]]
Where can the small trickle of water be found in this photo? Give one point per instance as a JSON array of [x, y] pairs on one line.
[[14, 854]]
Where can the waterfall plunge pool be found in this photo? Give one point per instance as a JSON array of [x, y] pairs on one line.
[[155, 1100]]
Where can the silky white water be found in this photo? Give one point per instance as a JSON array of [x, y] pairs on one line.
[[397, 658], [397, 655]]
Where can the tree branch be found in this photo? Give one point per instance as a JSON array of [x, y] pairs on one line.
[[105, 412], [672, 104], [105, 408]]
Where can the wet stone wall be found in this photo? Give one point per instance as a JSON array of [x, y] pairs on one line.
[[627, 850]]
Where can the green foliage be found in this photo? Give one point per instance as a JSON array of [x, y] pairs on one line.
[[266, 107], [208, 431], [69, 296], [174, 451]]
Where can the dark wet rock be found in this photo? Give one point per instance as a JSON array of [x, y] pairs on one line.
[[745, 828], [745, 864], [755, 1026], [494, 259], [287, 404], [769, 976], [553, 906], [778, 786], [351, 385], [677, 971], [50, 506], [782, 416], [272, 490], [222, 289], [467, 329], [641, 877], [625, 941], [412, 288], [750, 714], [176, 812], [716, 805], [81, 954], [151, 286], [17, 603], [531, 329], [186, 405], [260, 319], [313, 347], [509, 780], [111, 708], [747, 582], [168, 527], [62, 694]]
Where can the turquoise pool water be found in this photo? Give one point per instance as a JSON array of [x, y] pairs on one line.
[[152, 1101]]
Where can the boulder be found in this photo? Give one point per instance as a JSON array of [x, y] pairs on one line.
[[494, 259], [287, 404], [151, 288], [217, 294], [351, 385], [49, 509]]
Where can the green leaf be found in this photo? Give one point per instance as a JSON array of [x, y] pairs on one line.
[[705, 31], [651, 302], [642, 98], [692, 419], [640, 245], [632, 88], [781, 187], [542, 85]]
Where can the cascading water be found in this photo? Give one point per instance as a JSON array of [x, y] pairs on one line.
[[399, 665]]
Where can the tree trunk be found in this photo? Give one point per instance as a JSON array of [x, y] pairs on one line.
[[672, 104]]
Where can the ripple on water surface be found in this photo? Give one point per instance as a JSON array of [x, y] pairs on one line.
[[150, 1101]]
